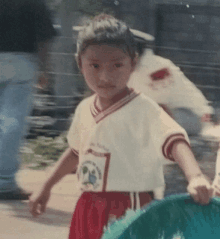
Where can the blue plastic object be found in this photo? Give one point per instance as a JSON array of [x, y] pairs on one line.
[[174, 217]]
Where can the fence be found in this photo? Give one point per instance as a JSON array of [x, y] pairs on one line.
[[187, 35]]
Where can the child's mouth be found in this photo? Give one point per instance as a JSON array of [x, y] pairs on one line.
[[107, 87]]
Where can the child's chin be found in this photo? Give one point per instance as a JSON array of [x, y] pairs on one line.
[[107, 95]]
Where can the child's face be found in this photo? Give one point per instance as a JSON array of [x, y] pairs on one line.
[[106, 69]]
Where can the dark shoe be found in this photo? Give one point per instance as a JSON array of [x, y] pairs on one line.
[[18, 194]]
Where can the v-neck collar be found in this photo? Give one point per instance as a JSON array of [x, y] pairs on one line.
[[119, 101]]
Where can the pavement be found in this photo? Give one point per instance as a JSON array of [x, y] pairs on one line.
[[17, 222]]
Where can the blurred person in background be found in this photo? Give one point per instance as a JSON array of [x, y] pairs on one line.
[[25, 30], [164, 82]]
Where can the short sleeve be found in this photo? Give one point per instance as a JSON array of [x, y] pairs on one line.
[[166, 133], [73, 136]]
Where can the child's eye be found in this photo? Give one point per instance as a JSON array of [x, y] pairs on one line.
[[95, 66], [117, 65]]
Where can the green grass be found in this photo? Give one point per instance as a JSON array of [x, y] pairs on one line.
[[42, 152]]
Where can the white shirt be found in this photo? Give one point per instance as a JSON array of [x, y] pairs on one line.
[[120, 148]]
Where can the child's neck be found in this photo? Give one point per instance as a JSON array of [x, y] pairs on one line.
[[104, 103]]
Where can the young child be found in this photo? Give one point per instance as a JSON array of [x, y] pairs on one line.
[[117, 137]]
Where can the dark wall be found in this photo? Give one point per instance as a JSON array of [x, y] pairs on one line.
[[138, 14], [190, 37], [188, 34]]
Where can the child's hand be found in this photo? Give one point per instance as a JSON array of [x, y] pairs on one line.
[[38, 202], [200, 189]]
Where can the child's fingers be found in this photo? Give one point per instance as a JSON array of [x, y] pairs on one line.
[[33, 208], [200, 194], [193, 193], [36, 207], [200, 189], [43, 208], [38, 202], [204, 194]]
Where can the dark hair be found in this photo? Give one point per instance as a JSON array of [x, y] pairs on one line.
[[105, 29]]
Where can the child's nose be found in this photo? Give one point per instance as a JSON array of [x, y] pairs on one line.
[[105, 75]]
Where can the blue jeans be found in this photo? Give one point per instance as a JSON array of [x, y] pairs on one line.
[[17, 76]]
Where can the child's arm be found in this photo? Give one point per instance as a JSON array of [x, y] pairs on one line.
[[199, 186], [65, 165]]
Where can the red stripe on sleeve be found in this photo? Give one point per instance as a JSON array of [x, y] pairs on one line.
[[169, 142]]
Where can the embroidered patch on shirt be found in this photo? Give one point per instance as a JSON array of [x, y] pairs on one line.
[[93, 170]]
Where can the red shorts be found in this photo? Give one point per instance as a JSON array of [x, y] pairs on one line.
[[93, 211]]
